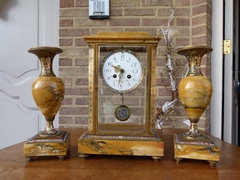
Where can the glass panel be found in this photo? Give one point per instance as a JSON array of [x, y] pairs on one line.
[[122, 89]]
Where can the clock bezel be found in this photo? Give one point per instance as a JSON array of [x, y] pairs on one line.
[[111, 53]]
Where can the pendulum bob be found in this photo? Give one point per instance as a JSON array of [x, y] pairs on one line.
[[194, 93], [48, 93]]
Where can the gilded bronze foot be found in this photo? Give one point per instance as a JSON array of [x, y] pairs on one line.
[[178, 160], [30, 158], [83, 156], [213, 163], [156, 158]]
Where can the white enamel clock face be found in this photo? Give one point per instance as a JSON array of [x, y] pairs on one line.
[[121, 71]]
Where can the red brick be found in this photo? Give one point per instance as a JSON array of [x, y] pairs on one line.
[[116, 12], [80, 42], [182, 3], [200, 40], [65, 120], [180, 111], [82, 3], [67, 101], [183, 31], [94, 31], [161, 61], [138, 111], [182, 12], [156, 3], [154, 22], [81, 81], [66, 22], [73, 32], [139, 12], [81, 13], [79, 71], [199, 20], [65, 62], [130, 101], [204, 71], [177, 12], [67, 81], [162, 71], [125, 3], [183, 22], [162, 99], [206, 60], [71, 110], [162, 42], [178, 104], [66, 42], [199, 30], [82, 101], [165, 11], [66, 3], [81, 119], [89, 23], [76, 91], [181, 61], [151, 31], [197, 2], [183, 41], [74, 51], [162, 81], [164, 91], [124, 22], [201, 9], [81, 61]]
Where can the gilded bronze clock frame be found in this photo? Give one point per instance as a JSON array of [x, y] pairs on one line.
[[143, 143]]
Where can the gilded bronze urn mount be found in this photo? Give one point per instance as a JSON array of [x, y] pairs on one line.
[[194, 92]]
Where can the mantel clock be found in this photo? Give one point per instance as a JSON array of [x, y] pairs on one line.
[[122, 96]]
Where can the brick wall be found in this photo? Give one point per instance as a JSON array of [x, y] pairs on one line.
[[192, 19]]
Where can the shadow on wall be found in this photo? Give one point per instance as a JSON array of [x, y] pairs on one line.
[[5, 6]]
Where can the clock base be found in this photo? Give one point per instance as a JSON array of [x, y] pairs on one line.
[[199, 148], [120, 145]]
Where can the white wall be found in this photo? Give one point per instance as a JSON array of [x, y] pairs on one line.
[[23, 24], [216, 69]]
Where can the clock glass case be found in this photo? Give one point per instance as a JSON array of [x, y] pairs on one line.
[[122, 89]]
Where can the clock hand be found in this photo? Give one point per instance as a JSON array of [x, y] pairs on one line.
[[121, 71], [117, 68], [120, 75]]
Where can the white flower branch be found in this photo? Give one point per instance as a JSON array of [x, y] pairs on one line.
[[168, 33]]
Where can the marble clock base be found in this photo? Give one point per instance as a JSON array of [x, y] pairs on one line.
[[120, 145], [47, 146], [199, 148]]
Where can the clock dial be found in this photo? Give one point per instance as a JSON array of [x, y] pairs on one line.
[[121, 71]]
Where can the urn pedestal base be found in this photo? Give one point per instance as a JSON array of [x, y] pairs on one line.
[[47, 146], [120, 145], [199, 148]]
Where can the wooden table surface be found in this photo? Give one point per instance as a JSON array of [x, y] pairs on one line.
[[13, 164]]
